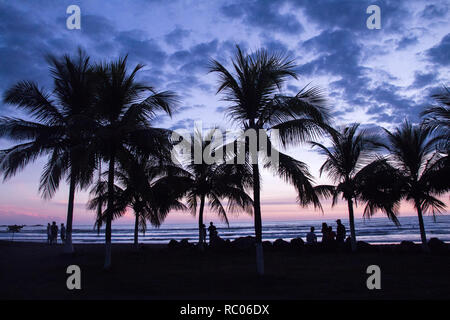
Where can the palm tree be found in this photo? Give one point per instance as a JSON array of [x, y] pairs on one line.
[[438, 117], [349, 164], [254, 92], [212, 182], [61, 129], [423, 169], [139, 188], [99, 212], [126, 109]]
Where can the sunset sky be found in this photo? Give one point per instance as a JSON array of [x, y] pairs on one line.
[[376, 77]]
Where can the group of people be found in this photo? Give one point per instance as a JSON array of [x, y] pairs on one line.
[[328, 235], [213, 233], [52, 233]]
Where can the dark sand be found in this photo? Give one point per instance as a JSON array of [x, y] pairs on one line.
[[38, 271]]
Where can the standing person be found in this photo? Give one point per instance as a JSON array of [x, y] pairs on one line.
[[63, 233], [324, 230], [212, 232], [340, 236], [54, 232], [331, 234], [203, 232], [49, 233], [311, 237]]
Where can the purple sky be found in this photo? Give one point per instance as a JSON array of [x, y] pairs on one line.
[[376, 77]]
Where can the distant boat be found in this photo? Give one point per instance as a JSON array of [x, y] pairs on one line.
[[14, 228]]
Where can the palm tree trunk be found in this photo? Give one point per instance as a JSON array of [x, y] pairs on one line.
[[200, 223], [109, 213], [258, 222], [68, 247], [423, 234], [352, 224], [136, 230], [99, 207]]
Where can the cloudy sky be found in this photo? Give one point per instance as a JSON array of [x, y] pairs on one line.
[[376, 77]]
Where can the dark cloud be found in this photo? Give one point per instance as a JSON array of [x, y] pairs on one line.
[[24, 43], [351, 15], [191, 64], [196, 58], [407, 41], [141, 48], [264, 14], [338, 53], [340, 50], [433, 11], [331, 14], [274, 45], [176, 36], [440, 54], [96, 26], [386, 99], [423, 79], [186, 123], [372, 129]]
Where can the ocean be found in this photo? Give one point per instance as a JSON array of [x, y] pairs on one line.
[[376, 231]]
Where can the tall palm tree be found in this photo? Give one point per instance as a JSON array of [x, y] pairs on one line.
[[61, 129], [359, 178], [126, 109], [140, 188], [99, 212], [253, 90], [212, 182], [424, 170], [437, 117]]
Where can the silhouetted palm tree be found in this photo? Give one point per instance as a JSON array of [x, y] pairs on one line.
[[424, 170], [126, 109], [99, 212], [254, 91], [139, 188], [62, 129], [437, 117], [359, 178], [211, 180]]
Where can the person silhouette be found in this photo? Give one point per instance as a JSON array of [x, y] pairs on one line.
[[340, 236], [63, 233], [311, 237], [331, 234], [49, 233], [325, 236], [203, 233], [54, 233], [212, 232]]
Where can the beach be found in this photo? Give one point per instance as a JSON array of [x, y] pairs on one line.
[[378, 230], [155, 271]]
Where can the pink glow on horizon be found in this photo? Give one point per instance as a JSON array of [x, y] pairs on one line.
[[20, 203], [289, 211]]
